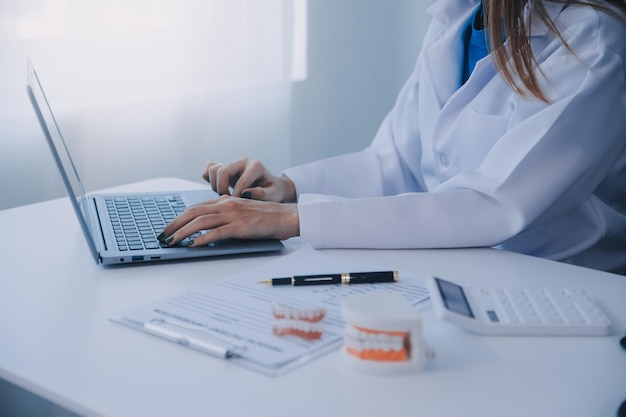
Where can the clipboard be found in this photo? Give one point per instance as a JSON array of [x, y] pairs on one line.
[[232, 319]]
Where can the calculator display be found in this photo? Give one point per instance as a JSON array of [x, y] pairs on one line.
[[454, 298]]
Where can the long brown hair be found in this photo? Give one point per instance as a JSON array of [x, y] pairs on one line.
[[507, 16]]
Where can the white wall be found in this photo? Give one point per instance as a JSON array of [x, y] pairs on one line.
[[359, 54]]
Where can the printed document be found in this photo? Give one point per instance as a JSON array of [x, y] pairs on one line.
[[236, 313]]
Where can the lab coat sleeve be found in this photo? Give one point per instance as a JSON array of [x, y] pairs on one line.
[[549, 162]]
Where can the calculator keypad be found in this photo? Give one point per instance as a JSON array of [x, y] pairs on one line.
[[552, 307]]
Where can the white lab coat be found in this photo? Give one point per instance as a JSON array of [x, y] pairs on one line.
[[480, 165]]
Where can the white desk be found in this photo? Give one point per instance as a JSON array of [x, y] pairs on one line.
[[57, 342]]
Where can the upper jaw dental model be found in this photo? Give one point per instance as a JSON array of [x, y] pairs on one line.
[[303, 323], [383, 334]]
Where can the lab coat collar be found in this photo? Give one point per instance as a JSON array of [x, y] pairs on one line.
[[443, 50], [443, 53]]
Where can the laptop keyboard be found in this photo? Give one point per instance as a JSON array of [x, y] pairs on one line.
[[137, 221]]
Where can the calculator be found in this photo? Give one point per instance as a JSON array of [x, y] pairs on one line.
[[518, 311]]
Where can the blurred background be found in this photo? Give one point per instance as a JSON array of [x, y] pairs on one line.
[[155, 88]]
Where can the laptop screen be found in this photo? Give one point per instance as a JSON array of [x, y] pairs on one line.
[[61, 154]]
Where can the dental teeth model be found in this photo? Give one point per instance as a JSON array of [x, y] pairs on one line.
[[383, 334], [377, 345], [303, 323]]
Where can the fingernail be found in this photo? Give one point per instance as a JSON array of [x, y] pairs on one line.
[[161, 236], [190, 243], [169, 240], [246, 194]]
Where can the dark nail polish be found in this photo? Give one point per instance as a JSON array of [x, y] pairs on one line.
[[190, 243], [169, 240], [161, 236], [246, 194]]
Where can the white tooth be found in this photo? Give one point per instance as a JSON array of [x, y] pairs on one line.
[[374, 341], [359, 346], [354, 336], [396, 343], [359, 335], [367, 342], [385, 342]]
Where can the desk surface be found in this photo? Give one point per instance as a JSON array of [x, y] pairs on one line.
[[56, 339]]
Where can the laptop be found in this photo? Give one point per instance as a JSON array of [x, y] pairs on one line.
[[122, 228]]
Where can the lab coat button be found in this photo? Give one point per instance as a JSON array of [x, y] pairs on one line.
[[443, 159]]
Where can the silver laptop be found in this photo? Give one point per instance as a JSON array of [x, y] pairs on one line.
[[122, 228]]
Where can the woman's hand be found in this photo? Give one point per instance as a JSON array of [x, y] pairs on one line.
[[230, 217], [249, 179]]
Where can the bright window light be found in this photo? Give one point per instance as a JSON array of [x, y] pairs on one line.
[[128, 50]]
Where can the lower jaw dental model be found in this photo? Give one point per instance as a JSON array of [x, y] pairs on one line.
[[383, 334], [303, 323]]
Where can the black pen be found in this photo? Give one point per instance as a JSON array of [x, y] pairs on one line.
[[344, 278]]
